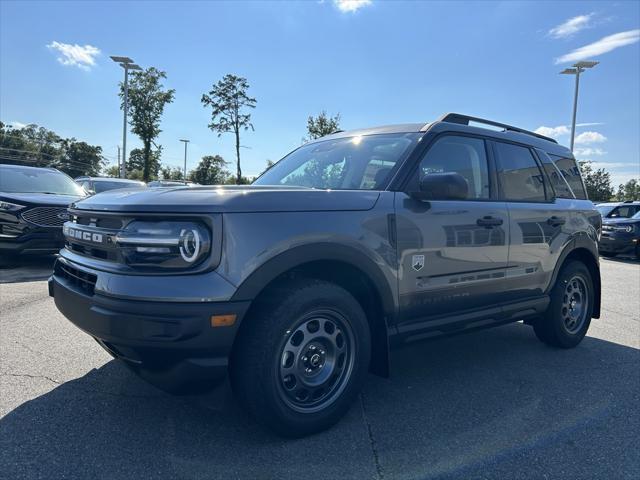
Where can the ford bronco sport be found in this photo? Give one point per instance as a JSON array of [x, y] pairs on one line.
[[299, 284]]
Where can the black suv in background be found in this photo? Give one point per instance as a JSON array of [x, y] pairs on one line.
[[33, 207], [355, 242], [620, 228]]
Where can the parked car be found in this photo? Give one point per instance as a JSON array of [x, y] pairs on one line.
[[620, 228], [355, 242], [170, 183], [95, 185], [33, 207]]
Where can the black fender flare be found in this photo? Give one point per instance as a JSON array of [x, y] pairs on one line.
[[251, 287], [581, 241]]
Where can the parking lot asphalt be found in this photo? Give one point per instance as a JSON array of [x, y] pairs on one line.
[[492, 404]]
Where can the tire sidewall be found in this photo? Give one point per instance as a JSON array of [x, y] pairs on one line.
[[556, 322], [283, 318]]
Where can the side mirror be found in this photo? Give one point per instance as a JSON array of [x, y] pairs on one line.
[[443, 186]]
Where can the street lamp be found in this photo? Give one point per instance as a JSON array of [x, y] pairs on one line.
[[127, 64], [577, 69], [185, 158]]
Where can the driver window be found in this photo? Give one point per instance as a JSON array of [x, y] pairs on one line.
[[465, 156]]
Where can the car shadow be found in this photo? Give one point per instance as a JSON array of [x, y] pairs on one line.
[[494, 404], [26, 268]]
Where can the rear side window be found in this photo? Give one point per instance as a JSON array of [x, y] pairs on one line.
[[519, 174], [571, 173], [558, 182]]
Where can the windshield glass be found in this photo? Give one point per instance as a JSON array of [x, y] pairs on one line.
[[103, 186], [353, 163], [28, 180], [605, 209], [622, 211]]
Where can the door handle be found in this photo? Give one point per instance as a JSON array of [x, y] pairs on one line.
[[556, 221], [489, 221]]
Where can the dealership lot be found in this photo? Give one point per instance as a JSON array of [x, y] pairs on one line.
[[493, 404]]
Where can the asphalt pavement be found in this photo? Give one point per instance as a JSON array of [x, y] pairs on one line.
[[492, 404]]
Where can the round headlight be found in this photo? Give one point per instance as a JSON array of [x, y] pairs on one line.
[[189, 244]]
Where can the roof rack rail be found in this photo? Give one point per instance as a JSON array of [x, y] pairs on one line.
[[466, 119]]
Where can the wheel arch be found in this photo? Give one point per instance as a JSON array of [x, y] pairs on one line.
[[345, 266], [584, 250]]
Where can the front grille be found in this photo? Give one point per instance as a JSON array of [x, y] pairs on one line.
[[84, 281], [46, 216]]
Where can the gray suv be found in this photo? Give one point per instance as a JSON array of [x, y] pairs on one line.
[[299, 284]]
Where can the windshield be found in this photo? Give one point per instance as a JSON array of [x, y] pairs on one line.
[[102, 186], [621, 211], [353, 163], [29, 180]]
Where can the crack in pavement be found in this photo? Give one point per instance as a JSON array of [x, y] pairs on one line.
[[372, 440]]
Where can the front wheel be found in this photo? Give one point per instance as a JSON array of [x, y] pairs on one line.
[[608, 254], [302, 357], [568, 317]]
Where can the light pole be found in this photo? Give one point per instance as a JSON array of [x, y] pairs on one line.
[[185, 158], [127, 64], [577, 69]]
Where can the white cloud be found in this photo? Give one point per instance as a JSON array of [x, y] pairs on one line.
[[586, 138], [553, 132], [83, 57], [588, 151], [602, 46], [615, 165], [351, 5], [571, 26]]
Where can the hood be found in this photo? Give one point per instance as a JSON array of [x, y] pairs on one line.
[[40, 199], [229, 198]]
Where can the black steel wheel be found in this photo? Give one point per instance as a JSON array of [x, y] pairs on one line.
[[569, 314], [316, 361], [301, 357]]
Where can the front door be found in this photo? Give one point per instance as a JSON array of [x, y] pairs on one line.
[[452, 254]]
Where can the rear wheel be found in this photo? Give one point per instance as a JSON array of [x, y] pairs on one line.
[[301, 358], [569, 314]]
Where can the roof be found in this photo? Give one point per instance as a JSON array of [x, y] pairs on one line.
[[462, 123], [111, 179], [24, 167]]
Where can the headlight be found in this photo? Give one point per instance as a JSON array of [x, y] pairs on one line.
[[10, 207], [165, 244]]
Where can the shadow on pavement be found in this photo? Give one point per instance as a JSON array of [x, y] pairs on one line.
[[26, 268], [495, 404]]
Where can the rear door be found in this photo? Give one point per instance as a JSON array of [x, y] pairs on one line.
[[452, 254], [539, 222]]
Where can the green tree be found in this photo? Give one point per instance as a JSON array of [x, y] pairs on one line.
[[598, 182], [210, 171], [147, 100], [112, 171], [171, 173], [322, 125], [137, 161], [629, 190], [229, 101], [39, 147], [80, 158]]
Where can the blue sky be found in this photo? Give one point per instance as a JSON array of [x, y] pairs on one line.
[[375, 62]]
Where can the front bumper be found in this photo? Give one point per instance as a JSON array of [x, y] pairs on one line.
[[618, 243], [172, 339], [42, 240]]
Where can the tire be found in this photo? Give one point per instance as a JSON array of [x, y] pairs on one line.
[[637, 252], [301, 359], [567, 319], [608, 254]]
